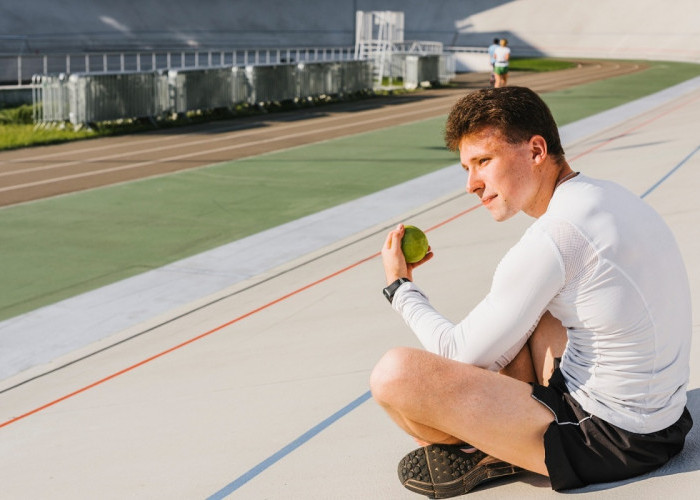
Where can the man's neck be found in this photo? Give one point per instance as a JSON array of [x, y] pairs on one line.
[[552, 177], [565, 173]]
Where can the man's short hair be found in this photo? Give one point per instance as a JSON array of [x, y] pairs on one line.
[[517, 113]]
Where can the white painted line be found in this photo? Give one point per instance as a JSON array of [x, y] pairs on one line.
[[193, 154]]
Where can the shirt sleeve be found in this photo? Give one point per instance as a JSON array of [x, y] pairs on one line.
[[525, 281]]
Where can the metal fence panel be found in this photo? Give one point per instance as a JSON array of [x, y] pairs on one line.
[[356, 76], [410, 71], [51, 98], [429, 69], [200, 89], [317, 79], [241, 89], [104, 97], [447, 69], [417, 69], [272, 83]]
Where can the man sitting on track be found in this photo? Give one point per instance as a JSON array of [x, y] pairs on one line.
[[576, 363]]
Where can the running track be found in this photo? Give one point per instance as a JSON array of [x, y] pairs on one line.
[[662, 171]]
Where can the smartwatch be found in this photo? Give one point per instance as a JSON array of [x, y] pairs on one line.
[[391, 289]]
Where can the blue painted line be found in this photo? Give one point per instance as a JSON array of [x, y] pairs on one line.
[[272, 459], [670, 172], [241, 480]]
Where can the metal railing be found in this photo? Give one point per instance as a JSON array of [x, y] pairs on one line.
[[19, 68], [419, 47]]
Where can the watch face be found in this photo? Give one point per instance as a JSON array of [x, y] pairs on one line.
[[391, 289]]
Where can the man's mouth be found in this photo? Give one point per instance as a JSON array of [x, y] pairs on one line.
[[487, 199]]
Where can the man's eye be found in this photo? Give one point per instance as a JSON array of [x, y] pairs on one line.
[[483, 161]]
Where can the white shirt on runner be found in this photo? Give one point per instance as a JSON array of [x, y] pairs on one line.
[[501, 56], [604, 263]]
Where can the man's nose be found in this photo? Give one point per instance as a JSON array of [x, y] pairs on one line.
[[473, 182]]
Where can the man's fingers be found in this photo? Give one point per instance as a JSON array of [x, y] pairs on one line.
[[389, 239], [425, 259], [393, 239]]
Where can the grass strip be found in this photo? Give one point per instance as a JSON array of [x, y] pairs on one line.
[[539, 65]]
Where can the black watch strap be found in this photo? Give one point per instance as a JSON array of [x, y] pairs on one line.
[[391, 289]]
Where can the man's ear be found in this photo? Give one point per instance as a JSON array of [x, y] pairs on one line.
[[538, 149]]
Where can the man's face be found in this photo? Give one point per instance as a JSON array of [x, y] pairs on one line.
[[501, 174]]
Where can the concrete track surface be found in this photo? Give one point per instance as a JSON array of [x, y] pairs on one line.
[[261, 390]]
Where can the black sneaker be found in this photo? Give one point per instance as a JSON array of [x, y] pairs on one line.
[[445, 471]]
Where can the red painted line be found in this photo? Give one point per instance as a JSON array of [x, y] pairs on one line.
[[187, 342], [304, 288], [447, 221], [218, 328]]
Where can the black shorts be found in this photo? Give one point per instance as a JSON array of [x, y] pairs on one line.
[[582, 449]]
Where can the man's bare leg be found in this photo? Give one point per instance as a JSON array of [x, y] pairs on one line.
[[535, 361], [547, 343], [439, 400], [493, 412], [521, 367]]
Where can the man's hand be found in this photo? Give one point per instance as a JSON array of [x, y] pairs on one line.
[[395, 265]]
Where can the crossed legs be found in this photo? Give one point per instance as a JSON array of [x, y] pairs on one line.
[[438, 400]]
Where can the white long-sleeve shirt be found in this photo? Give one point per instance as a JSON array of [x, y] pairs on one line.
[[607, 266]]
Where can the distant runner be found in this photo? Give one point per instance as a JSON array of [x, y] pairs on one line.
[[492, 60], [502, 61]]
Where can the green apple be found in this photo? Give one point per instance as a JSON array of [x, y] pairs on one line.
[[414, 244]]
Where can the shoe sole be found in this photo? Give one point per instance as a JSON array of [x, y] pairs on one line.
[[444, 472]]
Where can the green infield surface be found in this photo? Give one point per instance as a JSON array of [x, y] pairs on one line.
[[57, 248]]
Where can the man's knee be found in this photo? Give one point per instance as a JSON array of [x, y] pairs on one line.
[[391, 373]]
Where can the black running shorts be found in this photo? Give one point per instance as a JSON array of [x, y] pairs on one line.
[[582, 449]]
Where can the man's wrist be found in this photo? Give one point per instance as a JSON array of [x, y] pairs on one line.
[[390, 290]]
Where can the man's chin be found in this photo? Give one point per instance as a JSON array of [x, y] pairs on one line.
[[500, 216]]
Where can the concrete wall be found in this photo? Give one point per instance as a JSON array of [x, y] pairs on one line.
[[651, 29], [626, 29], [41, 25]]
